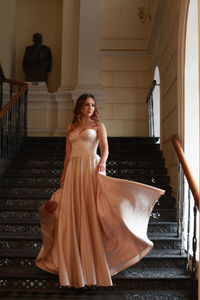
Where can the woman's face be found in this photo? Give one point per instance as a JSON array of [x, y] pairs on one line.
[[88, 107]]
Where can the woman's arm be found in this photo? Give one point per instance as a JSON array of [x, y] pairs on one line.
[[103, 143], [67, 156]]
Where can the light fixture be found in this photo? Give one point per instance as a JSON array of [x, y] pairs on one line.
[[143, 14]]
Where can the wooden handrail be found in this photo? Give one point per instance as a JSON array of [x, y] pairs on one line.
[[22, 88], [186, 169], [14, 99]]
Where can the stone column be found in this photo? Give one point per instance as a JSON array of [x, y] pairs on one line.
[[89, 80], [80, 71], [69, 57]]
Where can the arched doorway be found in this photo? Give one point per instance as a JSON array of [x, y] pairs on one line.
[[191, 106], [156, 102]]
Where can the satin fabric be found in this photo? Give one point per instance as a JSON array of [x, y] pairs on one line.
[[100, 225]]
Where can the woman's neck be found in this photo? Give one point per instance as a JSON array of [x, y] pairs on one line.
[[85, 120]]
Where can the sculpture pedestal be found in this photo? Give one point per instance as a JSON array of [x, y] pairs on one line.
[[41, 110], [65, 107]]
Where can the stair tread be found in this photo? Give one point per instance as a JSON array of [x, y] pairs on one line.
[[32, 253], [56, 176], [44, 158], [34, 220], [32, 236], [128, 274], [33, 208], [113, 293]]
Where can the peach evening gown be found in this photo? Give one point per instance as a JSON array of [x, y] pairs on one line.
[[100, 225]]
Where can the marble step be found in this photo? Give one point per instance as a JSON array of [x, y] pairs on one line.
[[33, 241], [57, 171], [47, 189], [155, 259], [46, 179], [96, 294], [131, 278], [36, 200], [9, 211], [122, 154], [17, 226], [32, 253], [113, 140], [113, 147], [43, 162]]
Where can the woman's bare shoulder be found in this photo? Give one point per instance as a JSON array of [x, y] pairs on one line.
[[69, 128], [100, 125]]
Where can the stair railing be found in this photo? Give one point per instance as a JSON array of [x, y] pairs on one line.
[[12, 119], [151, 109], [193, 189]]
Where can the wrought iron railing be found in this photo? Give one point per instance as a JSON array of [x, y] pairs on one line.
[[12, 119], [186, 181], [150, 103]]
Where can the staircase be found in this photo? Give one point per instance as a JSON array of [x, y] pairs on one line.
[[31, 179]]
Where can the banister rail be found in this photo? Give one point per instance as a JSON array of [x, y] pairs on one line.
[[12, 119], [23, 88], [186, 169]]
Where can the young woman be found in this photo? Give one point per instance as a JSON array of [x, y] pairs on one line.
[[94, 226]]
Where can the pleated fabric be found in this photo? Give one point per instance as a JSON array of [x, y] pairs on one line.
[[100, 225]]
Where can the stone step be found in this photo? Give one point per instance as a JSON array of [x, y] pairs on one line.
[[96, 294], [29, 212], [46, 179], [57, 171], [36, 200], [113, 148], [31, 224], [30, 241], [132, 278], [125, 153], [17, 253], [114, 140], [48, 189], [58, 163], [158, 260]]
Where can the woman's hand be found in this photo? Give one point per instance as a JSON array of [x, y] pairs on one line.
[[103, 143], [101, 167]]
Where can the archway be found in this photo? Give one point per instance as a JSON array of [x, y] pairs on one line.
[[156, 102], [191, 104]]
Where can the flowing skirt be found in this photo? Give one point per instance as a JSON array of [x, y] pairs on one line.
[[98, 228]]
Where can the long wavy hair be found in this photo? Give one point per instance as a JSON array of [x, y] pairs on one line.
[[77, 110]]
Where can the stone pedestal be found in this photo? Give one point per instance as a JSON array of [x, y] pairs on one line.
[[41, 110], [65, 106]]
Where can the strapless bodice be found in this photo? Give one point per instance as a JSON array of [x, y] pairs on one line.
[[84, 143]]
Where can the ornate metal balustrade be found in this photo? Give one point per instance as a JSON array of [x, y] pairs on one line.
[[12, 119], [187, 184]]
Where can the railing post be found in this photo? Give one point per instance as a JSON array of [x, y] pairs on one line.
[[194, 241]]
